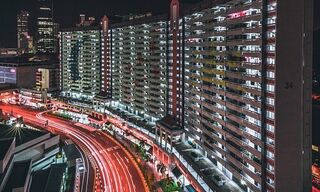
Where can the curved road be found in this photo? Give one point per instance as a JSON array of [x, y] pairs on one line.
[[113, 167]]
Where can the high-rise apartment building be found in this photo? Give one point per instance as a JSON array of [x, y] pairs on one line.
[[239, 94], [175, 64], [80, 62], [139, 71], [23, 36], [106, 80], [233, 78], [85, 60], [45, 31], [237, 80]]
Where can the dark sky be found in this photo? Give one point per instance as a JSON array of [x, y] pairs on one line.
[[67, 12], [316, 36]]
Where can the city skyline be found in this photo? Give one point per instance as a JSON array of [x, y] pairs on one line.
[[67, 13], [201, 95]]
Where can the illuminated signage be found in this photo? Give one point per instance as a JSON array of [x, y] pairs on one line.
[[8, 75], [237, 15]]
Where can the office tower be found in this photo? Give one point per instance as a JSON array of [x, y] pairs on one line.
[[82, 18], [23, 30], [45, 38], [139, 72], [84, 22], [56, 29], [80, 62]]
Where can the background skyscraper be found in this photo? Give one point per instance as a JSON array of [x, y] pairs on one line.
[[56, 29], [23, 29], [45, 30]]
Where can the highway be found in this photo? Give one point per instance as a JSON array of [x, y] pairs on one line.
[[113, 168]]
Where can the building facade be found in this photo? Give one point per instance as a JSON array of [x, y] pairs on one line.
[[45, 30], [80, 62], [56, 30], [237, 80], [139, 71], [85, 60], [106, 80], [13, 71], [47, 79], [231, 77], [25, 41], [224, 76], [236, 89]]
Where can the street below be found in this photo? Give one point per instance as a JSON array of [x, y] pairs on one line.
[[113, 167]]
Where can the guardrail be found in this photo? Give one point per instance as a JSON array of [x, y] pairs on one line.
[[175, 152]]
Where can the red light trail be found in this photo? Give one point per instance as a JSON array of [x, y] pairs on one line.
[[114, 168]]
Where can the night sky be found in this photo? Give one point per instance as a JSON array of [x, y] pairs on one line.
[[317, 36], [66, 12]]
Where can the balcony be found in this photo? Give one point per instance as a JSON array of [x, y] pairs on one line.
[[202, 169]]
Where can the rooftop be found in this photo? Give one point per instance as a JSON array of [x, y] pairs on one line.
[[7, 87], [169, 123], [206, 169], [4, 146], [27, 60], [102, 96], [48, 180], [22, 135], [71, 152], [82, 28], [19, 175]]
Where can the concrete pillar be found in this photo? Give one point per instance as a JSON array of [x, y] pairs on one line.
[[171, 142], [166, 141], [160, 137], [156, 134]]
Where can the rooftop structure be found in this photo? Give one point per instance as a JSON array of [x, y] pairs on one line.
[[22, 149], [50, 179]]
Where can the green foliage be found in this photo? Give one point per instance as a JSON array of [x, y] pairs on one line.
[[168, 185], [61, 115]]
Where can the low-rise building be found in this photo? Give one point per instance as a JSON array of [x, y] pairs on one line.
[[13, 70], [47, 79], [35, 98], [23, 151]]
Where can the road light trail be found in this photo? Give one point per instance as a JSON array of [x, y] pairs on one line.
[[84, 140], [111, 171]]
